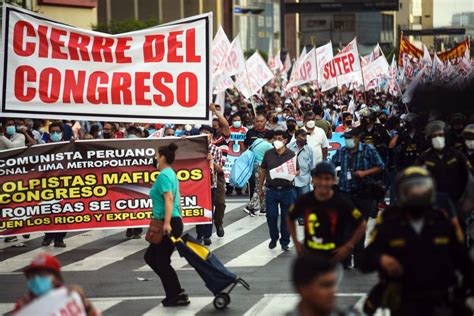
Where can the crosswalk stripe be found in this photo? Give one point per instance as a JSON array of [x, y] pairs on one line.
[[273, 305], [102, 305], [256, 257], [197, 303], [232, 232], [21, 240], [20, 261]]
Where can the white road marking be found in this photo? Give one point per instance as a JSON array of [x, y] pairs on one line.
[[197, 303]]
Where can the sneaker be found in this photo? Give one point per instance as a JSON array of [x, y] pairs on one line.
[[249, 211], [129, 233], [272, 244], [46, 242], [181, 299], [219, 231], [59, 244], [10, 239], [199, 239], [26, 236], [207, 241], [301, 221], [285, 248], [262, 213]]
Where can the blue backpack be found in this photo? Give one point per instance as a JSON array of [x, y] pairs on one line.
[[242, 169]]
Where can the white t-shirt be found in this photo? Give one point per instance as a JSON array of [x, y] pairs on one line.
[[317, 140]]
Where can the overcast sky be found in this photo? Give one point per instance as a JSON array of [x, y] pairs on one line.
[[444, 9]]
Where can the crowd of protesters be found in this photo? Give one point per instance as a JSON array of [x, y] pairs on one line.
[[336, 191]]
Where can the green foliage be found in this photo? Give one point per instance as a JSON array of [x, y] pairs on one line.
[[250, 52], [117, 27]]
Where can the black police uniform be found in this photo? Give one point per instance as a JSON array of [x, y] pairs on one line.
[[429, 259], [379, 137], [450, 171], [409, 149]]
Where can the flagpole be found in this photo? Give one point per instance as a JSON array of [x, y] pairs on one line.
[[361, 73]]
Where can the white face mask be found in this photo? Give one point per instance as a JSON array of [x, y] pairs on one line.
[[188, 127], [470, 144], [310, 124], [350, 143], [234, 108], [278, 144], [278, 110], [438, 142]]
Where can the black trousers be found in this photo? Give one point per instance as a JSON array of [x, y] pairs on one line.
[[55, 236], [158, 257], [205, 230]]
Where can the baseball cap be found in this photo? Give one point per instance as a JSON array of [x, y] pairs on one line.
[[44, 261], [324, 167], [206, 128], [291, 118], [434, 127], [351, 133]]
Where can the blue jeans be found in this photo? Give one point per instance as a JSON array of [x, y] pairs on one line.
[[284, 198], [302, 190]]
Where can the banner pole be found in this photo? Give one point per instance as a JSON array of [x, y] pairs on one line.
[[361, 73]]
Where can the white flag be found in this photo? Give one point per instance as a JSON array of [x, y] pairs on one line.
[[305, 71], [377, 69], [221, 82], [323, 56], [256, 76], [234, 61], [220, 46]]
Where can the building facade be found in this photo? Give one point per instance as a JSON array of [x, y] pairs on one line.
[[416, 15]]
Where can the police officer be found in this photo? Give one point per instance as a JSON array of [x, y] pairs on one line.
[[417, 252], [373, 133], [457, 123], [448, 166], [409, 144]]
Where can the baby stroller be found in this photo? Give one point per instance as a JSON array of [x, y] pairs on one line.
[[217, 278]]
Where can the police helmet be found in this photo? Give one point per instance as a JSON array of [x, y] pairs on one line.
[[367, 113], [415, 187], [468, 132]]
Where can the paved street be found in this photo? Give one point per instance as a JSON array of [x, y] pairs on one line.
[[113, 273]]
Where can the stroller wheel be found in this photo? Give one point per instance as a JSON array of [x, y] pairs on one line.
[[221, 301]]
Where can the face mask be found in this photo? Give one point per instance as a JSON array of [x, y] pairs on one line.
[[151, 131], [234, 108], [299, 123], [350, 143], [188, 127], [20, 127], [249, 126], [278, 144], [470, 144], [40, 285], [438, 142], [301, 143], [132, 136], [107, 135], [236, 124], [10, 130], [278, 110], [291, 128], [349, 122], [56, 137], [310, 124]]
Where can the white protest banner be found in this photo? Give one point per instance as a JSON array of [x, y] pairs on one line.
[[305, 70], [285, 171], [278, 65], [220, 47], [234, 60], [256, 76], [287, 64], [344, 65], [52, 70], [323, 56], [56, 303], [375, 70]]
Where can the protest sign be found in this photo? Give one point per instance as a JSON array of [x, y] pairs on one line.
[[305, 70], [58, 302], [409, 50], [456, 53], [323, 56], [344, 65], [256, 76], [286, 170], [233, 62], [52, 70], [96, 184], [220, 47], [336, 142], [375, 70]]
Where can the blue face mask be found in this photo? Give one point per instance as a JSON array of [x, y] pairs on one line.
[[350, 143], [56, 137], [40, 285], [299, 123], [10, 130], [151, 131], [237, 124]]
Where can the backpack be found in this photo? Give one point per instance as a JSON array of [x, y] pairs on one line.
[[242, 169]]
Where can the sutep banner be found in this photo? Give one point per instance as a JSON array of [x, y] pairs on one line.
[[160, 74], [96, 184]]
